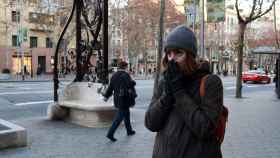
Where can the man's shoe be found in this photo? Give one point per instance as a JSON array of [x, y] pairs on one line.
[[111, 138], [131, 133]]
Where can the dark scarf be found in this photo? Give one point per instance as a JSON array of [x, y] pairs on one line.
[[193, 81]]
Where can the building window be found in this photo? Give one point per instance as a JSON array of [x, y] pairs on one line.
[[33, 17], [33, 42], [15, 41], [62, 20], [33, 2], [15, 16], [48, 43]]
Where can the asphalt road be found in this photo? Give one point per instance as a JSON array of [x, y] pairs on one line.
[[30, 99]]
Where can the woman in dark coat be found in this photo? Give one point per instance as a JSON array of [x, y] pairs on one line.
[[184, 122]]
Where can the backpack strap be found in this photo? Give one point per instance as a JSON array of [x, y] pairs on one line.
[[202, 86]]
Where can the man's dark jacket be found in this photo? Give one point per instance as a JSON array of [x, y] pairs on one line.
[[186, 129], [118, 81]]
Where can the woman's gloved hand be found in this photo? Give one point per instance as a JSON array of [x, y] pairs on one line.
[[174, 78]]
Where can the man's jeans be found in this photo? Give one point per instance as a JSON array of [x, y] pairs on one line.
[[122, 114]]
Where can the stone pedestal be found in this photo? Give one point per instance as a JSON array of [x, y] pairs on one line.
[[12, 135], [81, 104]]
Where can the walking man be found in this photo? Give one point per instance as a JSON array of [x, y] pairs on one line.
[[120, 84]]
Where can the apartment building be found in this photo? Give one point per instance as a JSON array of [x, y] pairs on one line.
[[27, 34]]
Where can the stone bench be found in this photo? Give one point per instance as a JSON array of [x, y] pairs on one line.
[[81, 104], [12, 135]]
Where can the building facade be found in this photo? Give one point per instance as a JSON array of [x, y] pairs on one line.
[[222, 39], [28, 30]]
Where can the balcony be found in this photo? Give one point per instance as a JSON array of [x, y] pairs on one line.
[[41, 22]]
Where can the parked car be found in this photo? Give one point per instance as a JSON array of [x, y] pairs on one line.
[[257, 76]]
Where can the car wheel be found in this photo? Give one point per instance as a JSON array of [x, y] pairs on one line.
[[244, 81]]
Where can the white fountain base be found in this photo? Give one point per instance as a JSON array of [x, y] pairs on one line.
[[81, 104]]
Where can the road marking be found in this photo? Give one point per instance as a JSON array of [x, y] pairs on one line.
[[229, 88], [35, 102], [143, 87], [25, 92], [228, 82], [25, 88], [250, 86]]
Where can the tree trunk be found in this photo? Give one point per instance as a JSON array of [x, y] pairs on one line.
[[160, 36], [146, 63], [242, 27], [275, 27]]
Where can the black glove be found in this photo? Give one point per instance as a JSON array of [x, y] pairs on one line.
[[174, 78]]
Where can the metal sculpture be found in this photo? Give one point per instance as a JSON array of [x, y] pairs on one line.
[[90, 15]]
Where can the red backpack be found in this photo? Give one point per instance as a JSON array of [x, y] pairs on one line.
[[223, 117]]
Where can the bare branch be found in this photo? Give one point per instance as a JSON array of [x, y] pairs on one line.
[[253, 9], [260, 9], [240, 19], [260, 15]]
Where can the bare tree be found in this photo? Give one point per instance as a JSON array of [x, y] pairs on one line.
[[141, 28], [160, 43], [255, 13]]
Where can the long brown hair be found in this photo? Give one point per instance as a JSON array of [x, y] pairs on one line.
[[188, 67]]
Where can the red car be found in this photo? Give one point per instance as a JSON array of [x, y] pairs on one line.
[[257, 76]]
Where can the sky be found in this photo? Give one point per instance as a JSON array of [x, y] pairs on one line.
[[179, 1]]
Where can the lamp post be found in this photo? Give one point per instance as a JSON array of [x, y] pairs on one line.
[[31, 65], [202, 30]]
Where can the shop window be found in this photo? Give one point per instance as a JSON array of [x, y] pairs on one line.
[[17, 65]]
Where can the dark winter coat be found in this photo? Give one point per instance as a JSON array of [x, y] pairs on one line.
[[120, 82], [186, 129]]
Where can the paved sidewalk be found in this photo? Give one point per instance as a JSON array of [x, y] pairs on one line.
[[253, 132]]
